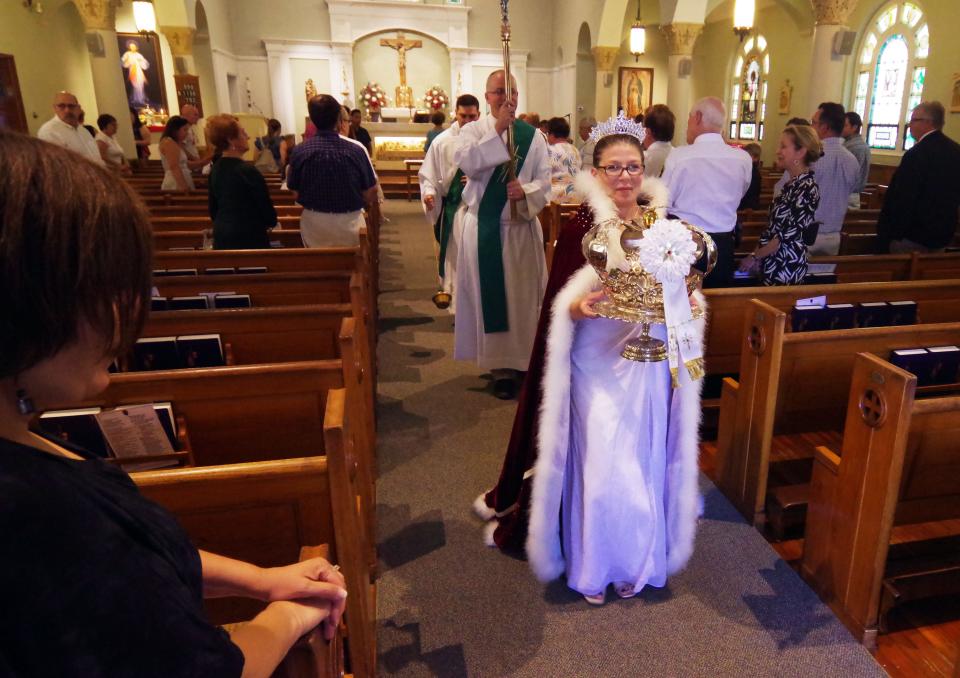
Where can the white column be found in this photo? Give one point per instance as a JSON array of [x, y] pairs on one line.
[[281, 88], [680, 40], [826, 68]]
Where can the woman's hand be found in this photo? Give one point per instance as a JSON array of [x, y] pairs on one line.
[[583, 308], [748, 263], [310, 579]]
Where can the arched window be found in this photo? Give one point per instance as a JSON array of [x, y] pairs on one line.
[[748, 90], [890, 74]]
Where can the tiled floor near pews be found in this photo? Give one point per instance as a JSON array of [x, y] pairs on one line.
[[449, 606]]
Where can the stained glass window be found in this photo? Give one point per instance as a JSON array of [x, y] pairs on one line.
[[891, 73], [750, 88]]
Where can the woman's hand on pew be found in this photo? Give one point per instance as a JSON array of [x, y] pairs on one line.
[[314, 578]]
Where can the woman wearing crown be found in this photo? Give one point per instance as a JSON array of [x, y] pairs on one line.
[[614, 496]]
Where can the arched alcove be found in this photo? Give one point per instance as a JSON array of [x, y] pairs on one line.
[[427, 65], [586, 77]]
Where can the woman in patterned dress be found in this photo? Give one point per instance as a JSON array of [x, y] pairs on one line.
[[564, 160], [781, 255]]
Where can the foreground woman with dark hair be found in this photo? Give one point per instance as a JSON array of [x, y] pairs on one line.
[[101, 581]]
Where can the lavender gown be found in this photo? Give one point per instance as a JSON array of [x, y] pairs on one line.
[[613, 524]]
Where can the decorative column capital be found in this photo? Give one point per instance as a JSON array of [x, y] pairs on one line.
[[98, 15], [604, 57], [832, 12], [681, 37], [180, 39]]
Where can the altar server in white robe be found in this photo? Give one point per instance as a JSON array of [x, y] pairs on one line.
[[501, 270], [442, 198]]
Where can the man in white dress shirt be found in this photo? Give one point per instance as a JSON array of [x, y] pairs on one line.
[[707, 179], [441, 198], [586, 146], [64, 129], [501, 270]]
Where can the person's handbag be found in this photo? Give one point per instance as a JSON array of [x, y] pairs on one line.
[[265, 161], [810, 233]]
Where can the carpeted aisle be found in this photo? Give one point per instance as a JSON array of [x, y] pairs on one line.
[[449, 606]]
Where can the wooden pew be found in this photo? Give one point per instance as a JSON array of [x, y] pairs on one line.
[[269, 334], [202, 222], [899, 464], [276, 261], [937, 300], [172, 240], [265, 289], [791, 393], [199, 209], [265, 512]]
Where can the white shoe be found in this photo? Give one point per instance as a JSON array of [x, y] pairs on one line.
[[598, 599]]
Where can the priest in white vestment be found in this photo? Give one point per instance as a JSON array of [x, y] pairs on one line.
[[441, 200], [501, 272]]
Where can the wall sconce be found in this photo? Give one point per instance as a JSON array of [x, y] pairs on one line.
[[638, 36], [743, 12], [144, 16], [33, 6]]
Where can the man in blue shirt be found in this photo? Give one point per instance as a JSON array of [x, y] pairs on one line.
[[853, 141], [333, 178], [837, 174]]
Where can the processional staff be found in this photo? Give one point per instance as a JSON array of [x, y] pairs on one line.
[[511, 173]]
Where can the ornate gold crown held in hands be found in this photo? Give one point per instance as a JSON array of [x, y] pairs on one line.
[[647, 271]]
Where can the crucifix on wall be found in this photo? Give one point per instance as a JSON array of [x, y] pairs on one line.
[[402, 45]]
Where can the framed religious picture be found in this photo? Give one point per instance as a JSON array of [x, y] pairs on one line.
[[142, 70], [786, 94], [635, 90], [955, 93]]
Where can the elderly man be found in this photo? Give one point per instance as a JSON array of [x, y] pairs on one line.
[[707, 179], [836, 173], [920, 207], [586, 146], [853, 141], [194, 159], [333, 178], [501, 271], [441, 188], [64, 129]]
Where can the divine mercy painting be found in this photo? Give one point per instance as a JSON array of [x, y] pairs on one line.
[[142, 70]]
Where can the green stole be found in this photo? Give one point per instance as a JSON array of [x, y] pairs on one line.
[[448, 208], [493, 293]]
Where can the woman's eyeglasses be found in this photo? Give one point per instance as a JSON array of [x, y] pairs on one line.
[[616, 170]]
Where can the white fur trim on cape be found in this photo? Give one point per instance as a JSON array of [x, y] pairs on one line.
[[681, 495], [480, 507]]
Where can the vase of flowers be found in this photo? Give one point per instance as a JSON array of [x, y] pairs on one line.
[[373, 98], [436, 99]]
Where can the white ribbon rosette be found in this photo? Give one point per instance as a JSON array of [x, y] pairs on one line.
[[667, 251]]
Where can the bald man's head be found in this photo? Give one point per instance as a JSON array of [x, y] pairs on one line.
[[496, 93], [706, 117], [67, 108], [191, 113]]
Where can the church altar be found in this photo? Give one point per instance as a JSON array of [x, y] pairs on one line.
[[394, 142]]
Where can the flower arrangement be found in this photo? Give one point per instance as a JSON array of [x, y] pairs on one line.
[[667, 250], [373, 96], [436, 99]]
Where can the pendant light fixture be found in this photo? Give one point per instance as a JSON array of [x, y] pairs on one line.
[[638, 36], [144, 16], [743, 11]]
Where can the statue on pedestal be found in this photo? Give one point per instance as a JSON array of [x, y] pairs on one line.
[[404, 98]]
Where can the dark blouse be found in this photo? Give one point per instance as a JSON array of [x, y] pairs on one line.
[[98, 580], [791, 214], [240, 206]]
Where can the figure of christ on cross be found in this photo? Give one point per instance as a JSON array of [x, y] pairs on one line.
[[402, 45]]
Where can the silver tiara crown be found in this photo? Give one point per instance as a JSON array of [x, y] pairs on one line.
[[618, 125]]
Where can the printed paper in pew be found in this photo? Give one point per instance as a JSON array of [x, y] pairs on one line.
[[135, 432]]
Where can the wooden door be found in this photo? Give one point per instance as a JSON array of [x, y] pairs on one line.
[[12, 116]]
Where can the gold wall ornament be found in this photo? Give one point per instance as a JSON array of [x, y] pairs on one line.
[[605, 57], [681, 37], [832, 12], [180, 39], [309, 89], [98, 15]]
